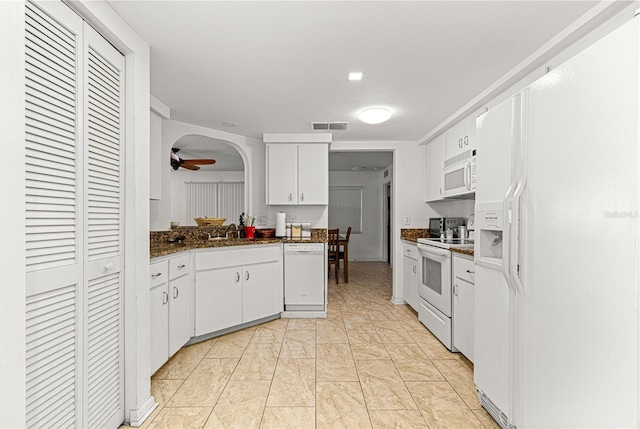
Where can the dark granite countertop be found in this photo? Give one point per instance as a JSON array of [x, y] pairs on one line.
[[158, 249], [463, 251]]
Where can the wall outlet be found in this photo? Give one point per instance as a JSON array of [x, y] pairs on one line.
[[291, 218], [407, 220], [262, 220]]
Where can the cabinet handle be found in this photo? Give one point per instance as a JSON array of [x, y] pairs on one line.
[[471, 272], [155, 276], [466, 140], [302, 196], [175, 292], [460, 143], [246, 277], [290, 196], [414, 269], [165, 298], [181, 266], [237, 277], [455, 289]]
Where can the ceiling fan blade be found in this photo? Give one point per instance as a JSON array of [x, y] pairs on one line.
[[199, 161], [190, 167]]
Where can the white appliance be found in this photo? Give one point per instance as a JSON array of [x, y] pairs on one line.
[[305, 276], [557, 329], [459, 175], [434, 286]]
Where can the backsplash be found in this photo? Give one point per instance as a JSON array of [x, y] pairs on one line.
[[412, 234]]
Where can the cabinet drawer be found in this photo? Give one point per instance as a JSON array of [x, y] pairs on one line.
[[410, 251], [159, 273], [464, 269], [179, 266], [221, 258]]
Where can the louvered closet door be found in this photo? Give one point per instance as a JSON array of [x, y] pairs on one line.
[[73, 222], [53, 215], [103, 203]]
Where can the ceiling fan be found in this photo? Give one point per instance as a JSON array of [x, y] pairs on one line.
[[189, 164]]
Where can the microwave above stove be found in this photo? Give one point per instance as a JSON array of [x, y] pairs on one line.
[[459, 176]]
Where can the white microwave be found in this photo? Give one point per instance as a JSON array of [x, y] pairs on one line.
[[459, 175]]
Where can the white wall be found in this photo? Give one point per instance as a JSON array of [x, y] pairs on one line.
[[12, 176], [368, 245], [316, 215]]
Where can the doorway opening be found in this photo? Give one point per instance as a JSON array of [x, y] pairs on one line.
[[387, 221]]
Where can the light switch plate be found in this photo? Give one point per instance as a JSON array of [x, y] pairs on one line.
[[407, 220]]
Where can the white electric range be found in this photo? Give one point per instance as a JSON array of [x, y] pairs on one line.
[[434, 286]]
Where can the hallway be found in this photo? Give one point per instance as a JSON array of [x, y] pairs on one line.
[[369, 364]]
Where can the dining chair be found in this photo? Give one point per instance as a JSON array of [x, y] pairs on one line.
[[333, 251], [343, 254]]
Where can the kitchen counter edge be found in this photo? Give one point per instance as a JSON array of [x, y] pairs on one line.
[[165, 249]]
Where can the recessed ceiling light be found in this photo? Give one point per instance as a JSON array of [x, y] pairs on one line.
[[355, 76], [229, 124], [374, 115]]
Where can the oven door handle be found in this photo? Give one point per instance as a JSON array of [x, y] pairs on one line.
[[426, 250]]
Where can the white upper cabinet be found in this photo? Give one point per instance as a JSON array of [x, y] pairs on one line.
[[282, 174], [313, 174], [297, 174], [461, 137], [434, 156]]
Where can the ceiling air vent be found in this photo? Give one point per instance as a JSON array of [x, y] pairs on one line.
[[330, 125]]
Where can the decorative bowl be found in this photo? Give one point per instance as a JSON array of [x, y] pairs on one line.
[[266, 232], [210, 221]]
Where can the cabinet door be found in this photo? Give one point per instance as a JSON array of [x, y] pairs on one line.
[[156, 160], [455, 140], [470, 132], [282, 179], [159, 335], [218, 299], [262, 291], [409, 282], [434, 156], [313, 174], [179, 313], [463, 313]]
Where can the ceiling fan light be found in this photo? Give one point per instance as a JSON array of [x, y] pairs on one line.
[[374, 115]]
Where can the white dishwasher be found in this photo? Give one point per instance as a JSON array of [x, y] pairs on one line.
[[305, 276]]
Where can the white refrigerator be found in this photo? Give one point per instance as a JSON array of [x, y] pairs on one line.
[[557, 324]]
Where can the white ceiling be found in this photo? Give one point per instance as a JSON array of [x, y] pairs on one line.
[[273, 67]]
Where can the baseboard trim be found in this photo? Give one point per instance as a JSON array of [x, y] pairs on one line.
[[137, 417], [397, 301]]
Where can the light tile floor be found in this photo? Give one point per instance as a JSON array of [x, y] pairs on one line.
[[370, 364]]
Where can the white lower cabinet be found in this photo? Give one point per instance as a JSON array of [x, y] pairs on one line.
[[170, 308], [236, 286], [410, 274], [463, 304]]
